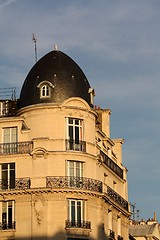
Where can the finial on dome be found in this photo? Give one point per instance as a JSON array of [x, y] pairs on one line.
[[55, 47]]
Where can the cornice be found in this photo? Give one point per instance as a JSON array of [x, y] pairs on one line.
[[32, 191]]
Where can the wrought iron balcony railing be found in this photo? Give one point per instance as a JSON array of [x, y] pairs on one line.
[[18, 183], [78, 224], [117, 198], [112, 165], [9, 225], [15, 148], [74, 146], [74, 182]]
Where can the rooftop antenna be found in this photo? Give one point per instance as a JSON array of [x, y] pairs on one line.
[[138, 214], [35, 46], [133, 206]]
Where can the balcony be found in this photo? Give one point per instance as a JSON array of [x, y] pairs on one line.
[[15, 148], [18, 183], [74, 146], [6, 226], [74, 182], [78, 224], [117, 198], [112, 165]]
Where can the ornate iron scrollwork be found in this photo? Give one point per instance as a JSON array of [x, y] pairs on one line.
[[74, 182], [78, 224], [117, 198]]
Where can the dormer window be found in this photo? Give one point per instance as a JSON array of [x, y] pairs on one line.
[[45, 89]]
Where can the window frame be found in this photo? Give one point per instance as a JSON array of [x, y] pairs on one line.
[[74, 217], [75, 134], [11, 134], [7, 175], [10, 140], [75, 168], [45, 89], [74, 130], [7, 214]]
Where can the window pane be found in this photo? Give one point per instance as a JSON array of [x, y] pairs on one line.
[[70, 120], [12, 166], [81, 164], [4, 175], [4, 214], [78, 174], [71, 133], [4, 166], [10, 214], [12, 179], [47, 91], [71, 168], [6, 135], [43, 91], [77, 121], [13, 134], [79, 217], [73, 211], [77, 135]]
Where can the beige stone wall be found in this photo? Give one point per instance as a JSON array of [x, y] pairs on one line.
[[41, 211]]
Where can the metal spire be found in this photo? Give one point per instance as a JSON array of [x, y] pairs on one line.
[[35, 45]]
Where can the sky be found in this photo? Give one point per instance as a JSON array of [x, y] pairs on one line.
[[117, 44]]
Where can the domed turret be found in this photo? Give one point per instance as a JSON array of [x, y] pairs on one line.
[[53, 79]]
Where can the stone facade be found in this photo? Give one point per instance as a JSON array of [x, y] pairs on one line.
[[61, 174]]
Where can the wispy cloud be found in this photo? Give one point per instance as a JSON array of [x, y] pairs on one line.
[[5, 3]]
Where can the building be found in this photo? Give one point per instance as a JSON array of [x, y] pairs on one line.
[[62, 175], [145, 230]]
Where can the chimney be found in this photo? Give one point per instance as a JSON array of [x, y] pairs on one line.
[[104, 120]]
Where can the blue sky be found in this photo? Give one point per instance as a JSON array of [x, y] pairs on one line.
[[117, 44]]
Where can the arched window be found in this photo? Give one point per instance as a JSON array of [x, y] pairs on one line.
[[45, 91], [45, 88]]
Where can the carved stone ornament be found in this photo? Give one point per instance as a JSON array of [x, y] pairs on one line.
[[39, 153], [38, 205]]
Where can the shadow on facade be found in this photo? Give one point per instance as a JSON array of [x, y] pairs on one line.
[[62, 236]]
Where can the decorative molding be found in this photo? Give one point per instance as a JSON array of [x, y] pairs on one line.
[[38, 205], [39, 153]]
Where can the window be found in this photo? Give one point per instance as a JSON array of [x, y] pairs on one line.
[[7, 171], [75, 173], [75, 169], [10, 140], [45, 91], [76, 212], [7, 218], [75, 134]]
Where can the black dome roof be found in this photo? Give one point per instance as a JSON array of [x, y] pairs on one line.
[[59, 71]]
